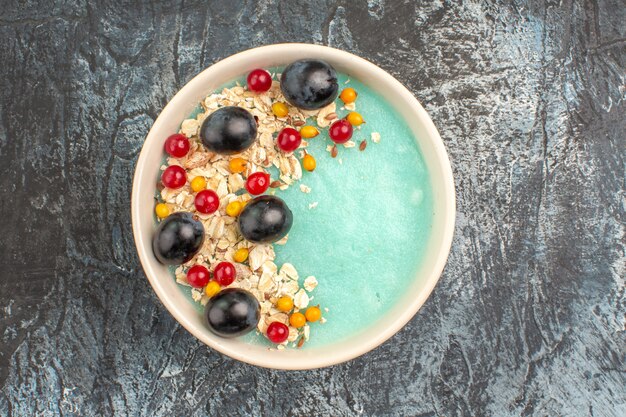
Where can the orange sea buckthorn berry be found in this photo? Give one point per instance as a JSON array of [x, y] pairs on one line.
[[162, 210], [241, 255], [280, 109], [313, 314], [355, 119], [297, 320], [309, 132], [234, 208], [284, 304], [348, 95], [308, 162], [212, 288], [237, 165], [198, 184]]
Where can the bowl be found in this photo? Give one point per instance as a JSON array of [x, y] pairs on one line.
[[433, 151]]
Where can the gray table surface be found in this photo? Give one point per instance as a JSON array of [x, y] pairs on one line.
[[528, 318]]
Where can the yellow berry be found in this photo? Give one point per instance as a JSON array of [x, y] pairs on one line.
[[280, 109], [198, 184], [241, 255], [313, 314], [162, 210], [234, 208], [348, 95], [212, 288], [284, 304], [308, 162], [297, 320], [237, 165], [355, 119], [309, 132]]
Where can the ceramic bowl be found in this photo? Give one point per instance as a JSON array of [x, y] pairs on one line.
[[433, 151]]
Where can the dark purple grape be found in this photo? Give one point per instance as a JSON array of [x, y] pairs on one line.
[[265, 219], [228, 130], [232, 312], [178, 238], [309, 84]]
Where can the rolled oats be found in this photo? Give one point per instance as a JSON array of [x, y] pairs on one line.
[[322, 120], [289, 271], [196, 295], [190, 127], [293, 334], [301, 299], [235, 182], [310, 283], [261, 276]]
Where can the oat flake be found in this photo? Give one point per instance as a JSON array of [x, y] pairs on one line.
[[310, 283], [301, 299]]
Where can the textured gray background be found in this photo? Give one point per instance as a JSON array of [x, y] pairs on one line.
[[528, 318]]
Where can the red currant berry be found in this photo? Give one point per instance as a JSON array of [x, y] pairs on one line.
[[259, 80], [207, 201], [257, 183], [277, 332], [174, 176], [288, 139], [198, 276], [340, 131], [177, 145], [224, 273]]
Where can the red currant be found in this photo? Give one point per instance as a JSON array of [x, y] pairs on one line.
[[288, 139], [177, 145], [259, 80], [340, 131], [277, 332], [258, 183], [174, 176], [207, 201], [224, 273], [198, 276]]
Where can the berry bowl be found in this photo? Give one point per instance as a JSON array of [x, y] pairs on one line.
[[374, 224]]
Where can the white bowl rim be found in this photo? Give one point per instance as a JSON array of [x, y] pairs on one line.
[[348, 352]]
